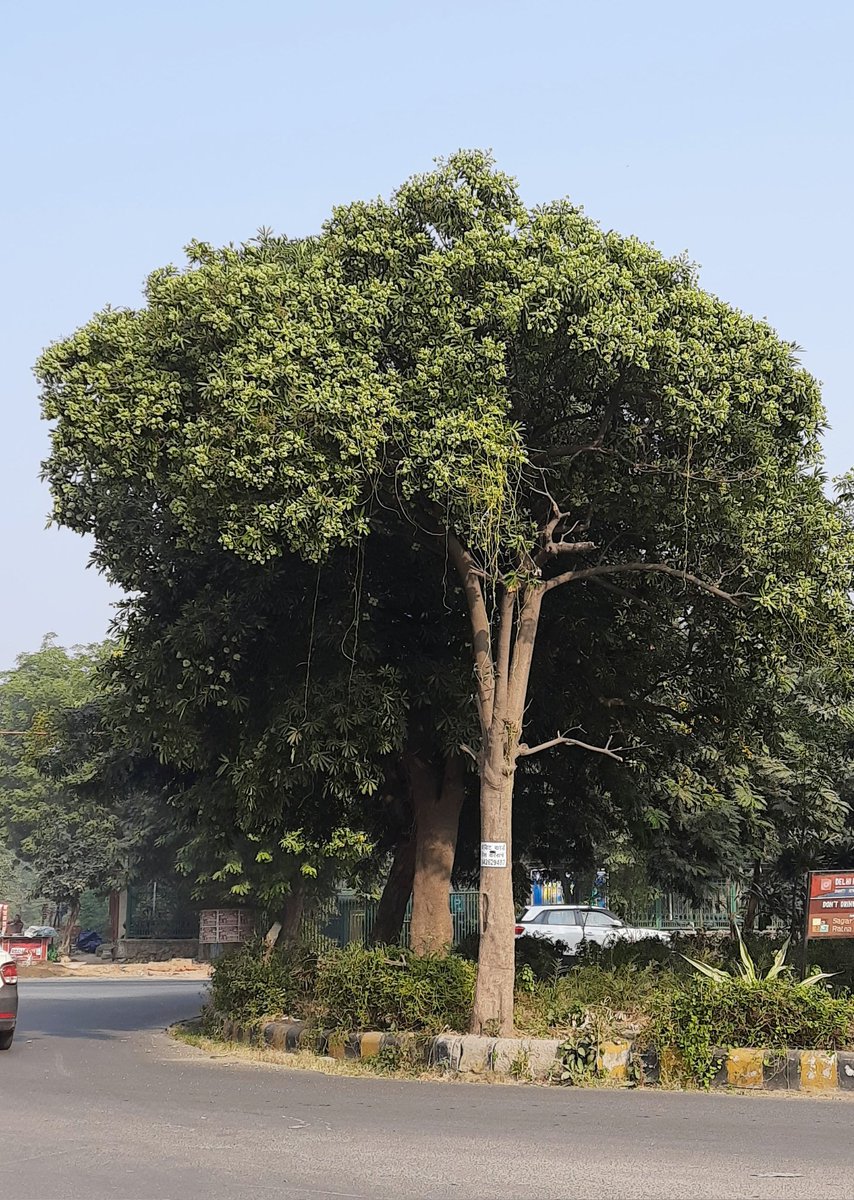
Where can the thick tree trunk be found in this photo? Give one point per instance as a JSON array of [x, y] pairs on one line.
[[437, 799], [69, 927], [293, 907], [396, 893], [505, 703], [752, 908], [496, 968]]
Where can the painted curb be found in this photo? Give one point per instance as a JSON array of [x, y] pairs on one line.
[[524, 1058], [535, 1059], [750, 1069]]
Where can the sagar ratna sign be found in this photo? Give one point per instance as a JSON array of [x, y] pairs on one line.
[[830, 905]]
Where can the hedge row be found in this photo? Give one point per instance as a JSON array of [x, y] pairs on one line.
[[643, 991], [354, 988]]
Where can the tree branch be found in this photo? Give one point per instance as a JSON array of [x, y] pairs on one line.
[[561, 740], [571, 451], [639, 567], [621, 592], [502, 657], [479, 620], [648, 706], [548, 545], [567, 548]]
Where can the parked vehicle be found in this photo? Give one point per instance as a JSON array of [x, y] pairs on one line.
[[573, 924], [8, 999]]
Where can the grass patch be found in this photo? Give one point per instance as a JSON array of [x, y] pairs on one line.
[[619, 999]]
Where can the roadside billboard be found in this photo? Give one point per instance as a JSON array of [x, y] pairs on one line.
[[830, 904]]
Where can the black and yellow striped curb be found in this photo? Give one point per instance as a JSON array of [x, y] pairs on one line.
[[524, 1058], [756, 1069], [528, 1059], [750, 1068]]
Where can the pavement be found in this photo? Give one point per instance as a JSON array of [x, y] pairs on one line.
[[98, 1103], [89, 966]]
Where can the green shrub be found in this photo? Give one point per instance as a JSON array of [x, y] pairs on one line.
[[698, 1015], [390, 988], [250, 984], [544, 958], [746, 969], [761, 948], [721, 950], [836, 955], [644, 953], [626, 992]]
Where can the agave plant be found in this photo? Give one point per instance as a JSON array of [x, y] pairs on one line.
[[747, 968]]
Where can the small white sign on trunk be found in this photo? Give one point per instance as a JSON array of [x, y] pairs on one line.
[[493, 854]]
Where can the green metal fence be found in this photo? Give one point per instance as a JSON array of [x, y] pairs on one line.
[[346, 919], [672, 911], [160, 909]]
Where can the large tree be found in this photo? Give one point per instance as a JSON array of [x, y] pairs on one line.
[[546, 408]]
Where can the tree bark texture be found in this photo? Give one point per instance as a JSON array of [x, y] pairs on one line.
[[502, 708], [293, 907], [752, 908], [70, 925], [438, 790], [496, 969], [391, 910]]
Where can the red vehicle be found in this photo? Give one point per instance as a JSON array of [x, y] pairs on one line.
[[8, 999]]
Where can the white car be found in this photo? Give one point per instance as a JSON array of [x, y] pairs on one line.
[[573, 924]]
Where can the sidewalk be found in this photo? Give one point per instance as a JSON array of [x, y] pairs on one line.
[[185, 968]]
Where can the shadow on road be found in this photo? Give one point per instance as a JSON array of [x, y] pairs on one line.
[[106, 1012]]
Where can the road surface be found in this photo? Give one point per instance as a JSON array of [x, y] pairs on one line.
[[97, 1103]]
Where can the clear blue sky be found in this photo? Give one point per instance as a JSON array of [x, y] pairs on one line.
[[722, 129]]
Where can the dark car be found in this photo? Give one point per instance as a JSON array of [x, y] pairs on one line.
[[8, 999]]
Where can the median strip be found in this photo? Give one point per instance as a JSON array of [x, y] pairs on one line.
[[544, 1060]]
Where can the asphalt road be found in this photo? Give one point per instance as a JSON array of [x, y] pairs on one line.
[[97, 1103]]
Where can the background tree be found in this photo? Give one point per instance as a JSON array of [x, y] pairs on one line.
[[69, 842], [16, 887]]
